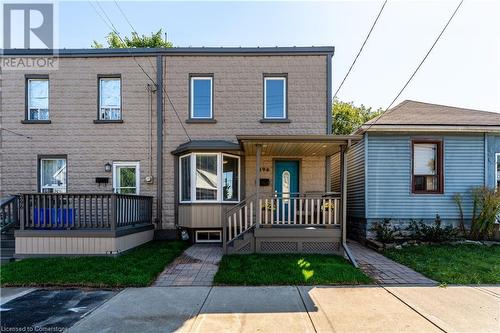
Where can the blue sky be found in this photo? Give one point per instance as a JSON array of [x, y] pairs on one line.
[[463, 69]]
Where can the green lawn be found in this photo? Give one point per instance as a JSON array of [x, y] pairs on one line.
[[136, 268], [452, 264], [290, 269]]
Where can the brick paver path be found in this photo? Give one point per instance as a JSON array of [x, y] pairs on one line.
[[194, 267], [382, 269]]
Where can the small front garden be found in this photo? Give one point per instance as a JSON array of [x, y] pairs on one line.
[[458, 254], [136, 268], [452, 264], [287, 269]]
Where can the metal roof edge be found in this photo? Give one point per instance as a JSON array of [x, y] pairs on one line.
[[328, 50]]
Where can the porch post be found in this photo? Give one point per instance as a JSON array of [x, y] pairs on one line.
[[257, 185], [343, 172]]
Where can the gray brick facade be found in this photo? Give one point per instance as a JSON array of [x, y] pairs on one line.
[[238, 109]]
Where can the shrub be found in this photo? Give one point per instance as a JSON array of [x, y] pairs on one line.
[[485, 211], [385, 232], [432, 233], [486, 208]]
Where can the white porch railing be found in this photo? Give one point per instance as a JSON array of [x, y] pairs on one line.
[[283, 209]]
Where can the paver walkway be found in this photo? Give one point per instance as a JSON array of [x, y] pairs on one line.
[[194, 267], [383, 270]]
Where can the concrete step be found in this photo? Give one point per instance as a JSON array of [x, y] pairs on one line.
[[4, 260], [7, 243], [7, 236], [7, 252]]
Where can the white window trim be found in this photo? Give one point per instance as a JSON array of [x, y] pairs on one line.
[[103, 78], [207, 241], [282, 78], [28, 116], [220, 159], [137, 174], [191, 112], [41, 173]]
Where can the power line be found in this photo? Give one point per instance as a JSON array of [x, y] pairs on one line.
[[132, 27], [113, 28], [418, 67], [15, 133], [360, 50], [177, 114]]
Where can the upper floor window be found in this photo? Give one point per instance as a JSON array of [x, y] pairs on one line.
[[427, 167], [110, 98], [52, 171], [275, 101], [209, 177], [37, 99], [201, 97]]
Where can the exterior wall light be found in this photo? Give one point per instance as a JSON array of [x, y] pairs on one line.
[[107, 167]]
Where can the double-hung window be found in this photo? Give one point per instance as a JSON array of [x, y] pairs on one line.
[[427, 167], [275, 97], [209, 177], [201, 97], [110, 108], [52, 171], [37, 99]]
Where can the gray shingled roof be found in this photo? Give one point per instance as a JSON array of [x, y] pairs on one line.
[[422, 114]]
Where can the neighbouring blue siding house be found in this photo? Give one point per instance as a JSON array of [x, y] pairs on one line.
[[414, 159]]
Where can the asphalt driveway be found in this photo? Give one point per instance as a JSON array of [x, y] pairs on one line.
[[271, 309]]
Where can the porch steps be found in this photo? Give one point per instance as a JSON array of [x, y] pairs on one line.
[[7, 246], [243, 244]]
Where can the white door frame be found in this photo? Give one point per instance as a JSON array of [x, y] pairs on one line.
[[135, 165]]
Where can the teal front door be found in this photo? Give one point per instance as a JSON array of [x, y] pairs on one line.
[[286, 186]]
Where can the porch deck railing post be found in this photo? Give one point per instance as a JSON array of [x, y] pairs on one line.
[[22, 211], [257, 185], [224, 234], [113, 212]]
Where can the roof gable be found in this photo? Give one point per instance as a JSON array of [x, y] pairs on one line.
[[412, 113]]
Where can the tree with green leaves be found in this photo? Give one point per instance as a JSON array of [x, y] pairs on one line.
[[347, 117], [115, 42]]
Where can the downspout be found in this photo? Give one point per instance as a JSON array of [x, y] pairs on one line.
[[344, 151], [159, 141]]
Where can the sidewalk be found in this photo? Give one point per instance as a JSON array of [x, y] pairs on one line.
[[298, 309]]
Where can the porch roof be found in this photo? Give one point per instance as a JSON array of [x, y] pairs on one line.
[[296, 145]]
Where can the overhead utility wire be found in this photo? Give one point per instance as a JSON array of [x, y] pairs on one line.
[[112, 27], [133, 29], [418, 67], [360, 50]]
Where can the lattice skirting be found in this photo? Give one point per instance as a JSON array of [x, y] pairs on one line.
[[298, 246]]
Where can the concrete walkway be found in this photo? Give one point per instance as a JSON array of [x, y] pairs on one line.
[[298, 309], [383, 270], [194, 267]]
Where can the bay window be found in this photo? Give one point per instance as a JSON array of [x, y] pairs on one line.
[[427, 167], [209, 177]]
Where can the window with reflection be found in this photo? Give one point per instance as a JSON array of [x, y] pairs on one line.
[[209, 177], [427, 167]]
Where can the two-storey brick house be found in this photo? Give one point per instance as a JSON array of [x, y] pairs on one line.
[[227, 144]]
